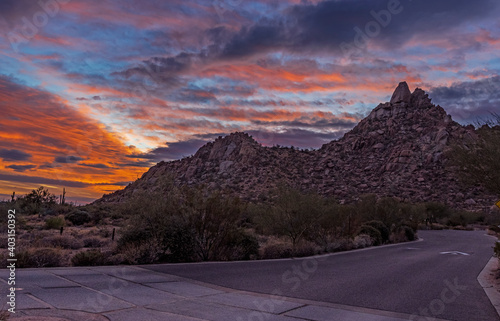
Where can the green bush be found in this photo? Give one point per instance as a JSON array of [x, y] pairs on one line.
[[78, 217], [246, 247], [464, 218], [55, 223], [409, 233], [382, 228], [436, 211], [170, 240], [371, 232], [88, 258]]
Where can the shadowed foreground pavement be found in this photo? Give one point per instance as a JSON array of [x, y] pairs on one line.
[[360, 285]]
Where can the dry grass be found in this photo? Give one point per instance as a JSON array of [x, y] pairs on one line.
[[39, 247]]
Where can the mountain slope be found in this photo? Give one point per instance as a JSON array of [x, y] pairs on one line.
[[398, 150]]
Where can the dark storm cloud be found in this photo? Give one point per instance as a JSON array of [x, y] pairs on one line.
[[41, 180], [14, 155], [330, 23], [102, 166], [21, 168], [164, 70], [174, 151], [471, 89], [327, 26], [67, 159], [471, 101]]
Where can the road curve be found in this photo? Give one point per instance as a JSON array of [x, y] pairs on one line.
[[435, 277]]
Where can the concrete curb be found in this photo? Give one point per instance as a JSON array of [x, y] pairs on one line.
[[488, 287]]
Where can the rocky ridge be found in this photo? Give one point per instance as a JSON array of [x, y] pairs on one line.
[[398, 150]]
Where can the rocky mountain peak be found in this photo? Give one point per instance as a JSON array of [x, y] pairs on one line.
[[228, 147], [399, 150], [405, 104], [401, 94], [419, 99]]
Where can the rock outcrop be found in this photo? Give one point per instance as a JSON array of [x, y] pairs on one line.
[[402, 94], [398, 150]]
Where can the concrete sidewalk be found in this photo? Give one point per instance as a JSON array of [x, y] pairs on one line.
[[129, 293]]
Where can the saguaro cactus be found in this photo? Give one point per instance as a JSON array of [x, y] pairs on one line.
[[62, 198]]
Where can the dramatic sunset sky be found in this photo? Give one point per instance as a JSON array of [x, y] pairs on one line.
[[94, 92]]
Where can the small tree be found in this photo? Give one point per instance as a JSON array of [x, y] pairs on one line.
[[294, 214], [37, 199], [214, 219]]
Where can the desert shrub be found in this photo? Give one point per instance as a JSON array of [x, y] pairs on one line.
[[494, 228], [147, 252], [88, 258], [246, 247], [496, 249], [305, 249], [388, 211], [94, 242], [48, 211], [464, 218], [362, 241], [55, 223], [366, 207], [179, 242], [171, 240], [403, 234], [436, 226], [37, 201], [131, 254], [436, 211], [382, 228], [104, 232], [133, 235], [40, 257], [213, 220], [277, 251], [62, 241], [116, 259], [339, 245], [295, 214], [78, 217], [477, 159], [409, 233], [372, 232]]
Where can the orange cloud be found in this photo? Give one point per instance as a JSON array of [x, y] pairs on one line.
[[61, 142]]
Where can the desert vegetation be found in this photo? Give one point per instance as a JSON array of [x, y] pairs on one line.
[[191, 224], [478, 160]]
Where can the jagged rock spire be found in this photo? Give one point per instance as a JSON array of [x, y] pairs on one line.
[[401, 94]]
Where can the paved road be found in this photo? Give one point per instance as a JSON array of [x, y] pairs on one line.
[[413, 278]]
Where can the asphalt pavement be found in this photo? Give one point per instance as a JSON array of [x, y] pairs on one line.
[[431, 279], [435, 277]]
